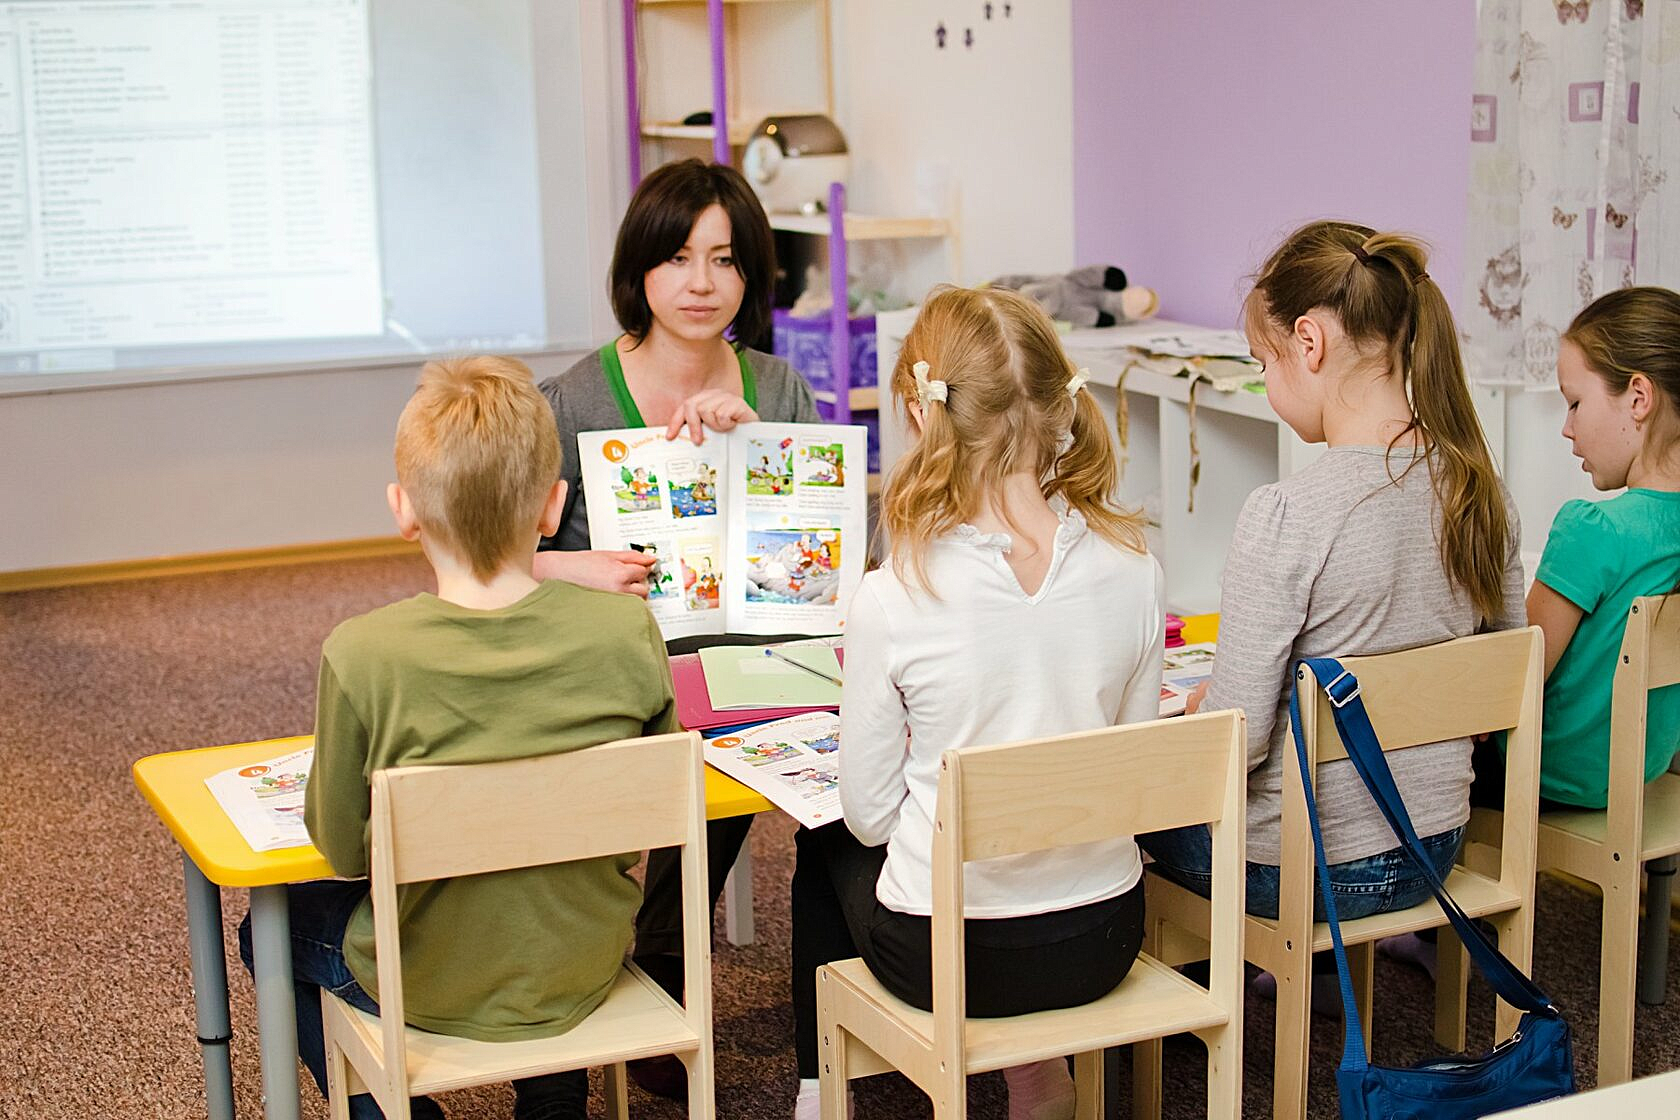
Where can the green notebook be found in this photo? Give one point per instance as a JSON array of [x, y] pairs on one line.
[[740, 678]]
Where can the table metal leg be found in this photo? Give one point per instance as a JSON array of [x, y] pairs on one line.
[[210, 991], [738, 899], [271, 952], [1653, 935]]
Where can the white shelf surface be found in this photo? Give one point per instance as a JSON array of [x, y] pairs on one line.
[[863, 227]]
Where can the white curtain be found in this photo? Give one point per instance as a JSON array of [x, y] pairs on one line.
[[1574, 172]]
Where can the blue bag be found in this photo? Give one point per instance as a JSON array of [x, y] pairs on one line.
[[1535, 1064]]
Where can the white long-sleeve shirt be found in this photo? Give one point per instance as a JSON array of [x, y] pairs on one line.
[[987, 663]]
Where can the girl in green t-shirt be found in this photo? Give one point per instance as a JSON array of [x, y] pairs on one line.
[[1619, 370]]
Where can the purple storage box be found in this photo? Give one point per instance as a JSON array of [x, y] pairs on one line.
[[805, 343]]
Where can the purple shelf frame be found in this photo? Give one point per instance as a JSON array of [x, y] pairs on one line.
[[632, 91]]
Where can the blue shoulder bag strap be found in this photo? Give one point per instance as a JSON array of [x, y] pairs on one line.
[[1360, 740]]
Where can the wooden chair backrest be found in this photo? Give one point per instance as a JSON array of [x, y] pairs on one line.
[[1450, 690], [1649, 659], [1097, 785], [438, 822]]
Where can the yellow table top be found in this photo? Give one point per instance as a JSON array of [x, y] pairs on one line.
[[1201, 628], [174, 785]]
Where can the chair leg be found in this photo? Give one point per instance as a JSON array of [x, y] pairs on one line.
[[832, 1070], [1294, 1015], [1146, 1055], [1146, 1079], [615, 1088], [1452, 981], [338, 1080], [701, 1104], [1653, 935], [1362, 964], [1515, 931], [1616, 979], [1224, 1071], [1088, 1085]]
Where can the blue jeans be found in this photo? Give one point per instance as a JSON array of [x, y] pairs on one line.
[[1362, 887], [320, 912]]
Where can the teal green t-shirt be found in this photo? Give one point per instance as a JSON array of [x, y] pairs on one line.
[[1601, 556]]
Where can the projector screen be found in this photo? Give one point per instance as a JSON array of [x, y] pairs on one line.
[[245, 185]]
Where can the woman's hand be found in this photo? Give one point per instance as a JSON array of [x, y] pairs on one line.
[[1194, 700], [716, 409], [624, 572]]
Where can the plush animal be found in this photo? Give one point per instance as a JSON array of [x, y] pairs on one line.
[[1093, 296]]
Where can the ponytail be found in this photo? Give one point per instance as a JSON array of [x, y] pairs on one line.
[[1379, 288], [1012, 403]]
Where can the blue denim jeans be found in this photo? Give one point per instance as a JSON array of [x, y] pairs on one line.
[[1362, 887], [320, 913]]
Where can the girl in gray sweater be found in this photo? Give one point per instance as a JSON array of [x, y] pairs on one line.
[[1400, 535]]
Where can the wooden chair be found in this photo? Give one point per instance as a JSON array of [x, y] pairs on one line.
[[1447, 691], [1028, 797], [1640, 826], [437, 822]]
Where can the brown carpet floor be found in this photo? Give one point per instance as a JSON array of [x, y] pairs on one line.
[[96, 1018]]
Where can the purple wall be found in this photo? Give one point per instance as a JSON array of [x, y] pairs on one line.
[[1204, 130]]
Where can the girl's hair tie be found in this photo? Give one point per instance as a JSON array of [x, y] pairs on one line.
[[1077, 381], [927, 390], [1361, 254]]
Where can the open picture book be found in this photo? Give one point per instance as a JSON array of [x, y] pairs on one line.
[[760, 530]]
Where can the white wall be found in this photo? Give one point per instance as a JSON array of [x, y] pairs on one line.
[[141, 471], [993, 121], [205, 465]]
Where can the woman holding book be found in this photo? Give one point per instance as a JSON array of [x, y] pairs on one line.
[[694, 263], [695, 260]]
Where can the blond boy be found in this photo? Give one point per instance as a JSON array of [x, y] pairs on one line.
[[494, 666]]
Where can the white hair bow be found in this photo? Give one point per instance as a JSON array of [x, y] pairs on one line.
[[1077, 381], [927, 390]]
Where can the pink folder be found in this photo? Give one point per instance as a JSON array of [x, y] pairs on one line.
[[694, 703]]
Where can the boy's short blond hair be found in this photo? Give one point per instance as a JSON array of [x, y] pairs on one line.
[[477, 453]]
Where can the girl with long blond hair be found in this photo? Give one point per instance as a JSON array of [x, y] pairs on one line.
[[1017, 602], [1400, 535]]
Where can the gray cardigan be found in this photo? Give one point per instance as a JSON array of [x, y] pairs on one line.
[[582, 402], [1339, 561]]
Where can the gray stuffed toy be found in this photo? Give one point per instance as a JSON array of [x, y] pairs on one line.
[[1093, 296]]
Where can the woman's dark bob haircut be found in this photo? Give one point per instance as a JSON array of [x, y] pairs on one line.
[[662, 214]]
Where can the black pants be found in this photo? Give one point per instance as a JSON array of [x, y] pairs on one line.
[[1013, 965], [659, 942]]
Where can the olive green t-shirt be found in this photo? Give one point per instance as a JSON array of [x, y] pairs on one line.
[[511, 954], [1601, 556]]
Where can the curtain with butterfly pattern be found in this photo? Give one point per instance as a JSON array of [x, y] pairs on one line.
[[1574, 172]]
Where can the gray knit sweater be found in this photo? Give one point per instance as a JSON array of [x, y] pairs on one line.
[[1340, 561]]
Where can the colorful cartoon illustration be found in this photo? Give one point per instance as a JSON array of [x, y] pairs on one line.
[[828, 744], [662, 580], [822, 464], [700, 580], [770, 467], [761, 754], [811, 781], [793, 566], [694, 495], [638, 490]]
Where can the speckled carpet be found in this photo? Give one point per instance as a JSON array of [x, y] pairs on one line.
[[97, 1015]]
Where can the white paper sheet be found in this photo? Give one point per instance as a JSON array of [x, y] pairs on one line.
[[265, 800]]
